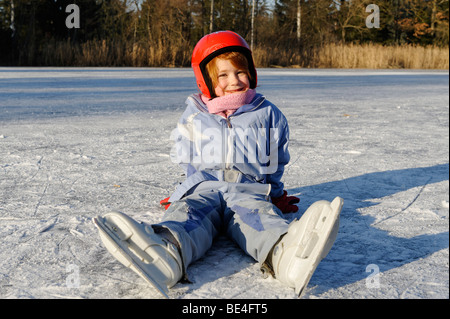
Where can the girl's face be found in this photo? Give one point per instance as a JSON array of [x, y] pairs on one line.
[[230, 79]]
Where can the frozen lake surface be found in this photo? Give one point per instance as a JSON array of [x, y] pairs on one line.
[[76, 143]]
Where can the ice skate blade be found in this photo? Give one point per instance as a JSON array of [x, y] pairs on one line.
[[122, 239], [321, 239], [306, 243]]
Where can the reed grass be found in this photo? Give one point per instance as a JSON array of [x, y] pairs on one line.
[[364, 56], [375, 56], [141, 54]]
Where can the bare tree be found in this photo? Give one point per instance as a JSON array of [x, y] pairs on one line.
[[13, 27], [349, 15], [299, 20], [253, 24], [211, 23]]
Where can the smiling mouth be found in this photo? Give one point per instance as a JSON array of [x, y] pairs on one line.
[[237, 90]]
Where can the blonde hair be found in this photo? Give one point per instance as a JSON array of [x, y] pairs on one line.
[[238, 60]]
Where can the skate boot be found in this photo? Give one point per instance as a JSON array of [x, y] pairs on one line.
[[137, 246], [308, 240]]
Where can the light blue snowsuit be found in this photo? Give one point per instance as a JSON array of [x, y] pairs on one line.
[[233, 166]]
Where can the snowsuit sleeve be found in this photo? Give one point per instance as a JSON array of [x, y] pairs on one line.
[[281, 138]]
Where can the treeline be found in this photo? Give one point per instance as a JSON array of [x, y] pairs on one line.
[[163, 32]]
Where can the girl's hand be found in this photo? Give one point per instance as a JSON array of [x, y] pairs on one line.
[[165, 203], [286, 203]]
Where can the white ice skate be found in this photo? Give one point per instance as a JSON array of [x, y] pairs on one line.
[[307, 242], [137, 246]]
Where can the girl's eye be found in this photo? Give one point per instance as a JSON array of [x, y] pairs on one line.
[[222, 75]]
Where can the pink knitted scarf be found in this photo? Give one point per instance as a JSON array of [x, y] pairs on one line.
[[228, 104]]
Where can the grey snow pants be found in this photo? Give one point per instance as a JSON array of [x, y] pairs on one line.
[[240, 210]]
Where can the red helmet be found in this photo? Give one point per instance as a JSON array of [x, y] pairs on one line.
[[215, 44]]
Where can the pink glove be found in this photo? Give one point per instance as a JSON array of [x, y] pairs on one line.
[[286, 203]]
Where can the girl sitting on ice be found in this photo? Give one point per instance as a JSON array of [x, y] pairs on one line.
[[233, 146]]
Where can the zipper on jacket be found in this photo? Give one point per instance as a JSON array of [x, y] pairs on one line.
[[227, 149], [228, 122]]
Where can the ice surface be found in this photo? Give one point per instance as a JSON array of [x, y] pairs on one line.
[[75, 143]]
